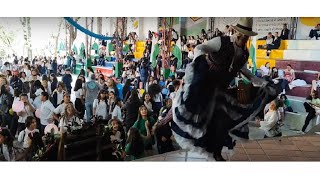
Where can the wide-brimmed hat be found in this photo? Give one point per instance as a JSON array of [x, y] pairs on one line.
[[244, 26]]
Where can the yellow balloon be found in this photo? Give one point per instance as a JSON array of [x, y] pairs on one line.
[[11, 112]]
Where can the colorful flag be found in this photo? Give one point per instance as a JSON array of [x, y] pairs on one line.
[[176, 51]]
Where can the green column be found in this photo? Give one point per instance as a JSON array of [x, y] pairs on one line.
[[118, 68], [89, 62], [166, 73]]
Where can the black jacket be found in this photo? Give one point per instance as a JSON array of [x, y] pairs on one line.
[[276, 42], [285, 34]]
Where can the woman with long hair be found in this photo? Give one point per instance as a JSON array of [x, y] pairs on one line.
[[100, 106], [131, 108], [69, 121], [54, 81], [90, 71], [79, 102], [144, 124], [111, 103], [134, 145], [46, 84]]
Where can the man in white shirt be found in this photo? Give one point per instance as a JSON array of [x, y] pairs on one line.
[[46, 111], [27, 111]]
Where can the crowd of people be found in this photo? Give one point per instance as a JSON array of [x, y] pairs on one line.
[[135, 102], [133, 105]]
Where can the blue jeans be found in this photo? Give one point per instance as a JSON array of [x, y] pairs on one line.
[[89, 107]]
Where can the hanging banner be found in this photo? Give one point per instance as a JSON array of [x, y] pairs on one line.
[[86, 31]]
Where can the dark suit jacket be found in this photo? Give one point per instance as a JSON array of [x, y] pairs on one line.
[[284, 35], [276, 42]]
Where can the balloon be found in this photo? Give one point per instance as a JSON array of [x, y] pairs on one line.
[[38, 113], [165, 91], [11, 112], [48, 128], [18, 106]]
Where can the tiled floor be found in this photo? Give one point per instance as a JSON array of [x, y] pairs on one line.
[[299, 148]]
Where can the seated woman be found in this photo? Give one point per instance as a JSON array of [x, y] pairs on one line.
[[270, 122], [315, 83], [315, 32], [164, 133], [311, 107], [275, 43], [265, 70], [286, 102], [289, 76]]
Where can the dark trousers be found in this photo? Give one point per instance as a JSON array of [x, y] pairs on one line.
[[42, 127], [314, 33], [14, 124], [271, 46], [284, 84], [311, 114]]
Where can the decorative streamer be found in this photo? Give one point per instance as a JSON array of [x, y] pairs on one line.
[[86, 31]]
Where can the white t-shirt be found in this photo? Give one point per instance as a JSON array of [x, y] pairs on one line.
[[157, 97], [172, 95], [28, 72], [148, 106], [48, 89], [60, 109], [25, 113], [78, 93], [117, 113], [59, 97], [265, 70], [24, 137], [191, 55], [37, 101], [46, 111], [101, 108]]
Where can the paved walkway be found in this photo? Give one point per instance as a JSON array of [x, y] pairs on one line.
[[298, 148]]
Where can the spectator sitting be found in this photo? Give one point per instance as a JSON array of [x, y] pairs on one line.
[[265, 70], [285, 32], [315, 32], [311, 109], [315, 83], [286, 102], [270, 122], [275, 43], [269, 40]]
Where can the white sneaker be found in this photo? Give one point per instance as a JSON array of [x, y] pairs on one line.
[[300, 132], [317, 133]]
